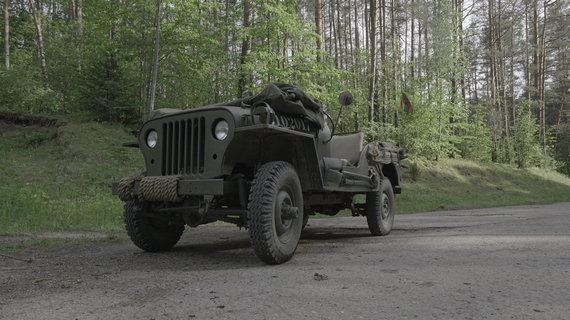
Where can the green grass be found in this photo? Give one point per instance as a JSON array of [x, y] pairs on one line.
[[59, 179], [461, 184]]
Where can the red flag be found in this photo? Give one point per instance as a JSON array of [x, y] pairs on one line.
[[406, 104]]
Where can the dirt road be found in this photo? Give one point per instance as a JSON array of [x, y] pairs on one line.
[[500, 263]]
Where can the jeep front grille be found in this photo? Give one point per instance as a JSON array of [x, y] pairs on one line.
[[183, 146]]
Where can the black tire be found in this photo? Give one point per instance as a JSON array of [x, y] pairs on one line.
[[305, 220], [151, 234], [380, 209], [274, 223]]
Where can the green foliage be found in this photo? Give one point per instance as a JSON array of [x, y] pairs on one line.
[[22, 91], [476, 139], [414, 171], [505, 151], [103, 64], [525, 142], [562, 153], [430, 131], [107, 93], [376, 131]]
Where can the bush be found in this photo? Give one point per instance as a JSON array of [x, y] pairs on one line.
[[22, 92], [376, 131], [107, 93], [475, 140], [525, 142]]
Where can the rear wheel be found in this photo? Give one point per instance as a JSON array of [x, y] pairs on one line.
[[275, 212], [380, 209], [148, 233]]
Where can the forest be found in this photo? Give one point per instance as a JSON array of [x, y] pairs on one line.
[[481, 80]]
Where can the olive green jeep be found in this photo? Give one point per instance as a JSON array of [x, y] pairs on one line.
[[265, 163]]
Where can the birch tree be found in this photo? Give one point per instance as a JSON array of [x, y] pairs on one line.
[[6, 35], [36, 14]]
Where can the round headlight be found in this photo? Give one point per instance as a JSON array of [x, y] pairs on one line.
[[151, 139], [221, 130]]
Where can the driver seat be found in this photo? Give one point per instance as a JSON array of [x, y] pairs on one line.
[[347, 147]]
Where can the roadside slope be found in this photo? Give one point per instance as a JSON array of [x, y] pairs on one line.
[[462, 184], [59, 178]]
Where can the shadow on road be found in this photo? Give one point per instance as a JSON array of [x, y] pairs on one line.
[[214, 248], [334, 233], [227, 250]]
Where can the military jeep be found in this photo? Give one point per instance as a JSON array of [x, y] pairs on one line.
[[265, 163]]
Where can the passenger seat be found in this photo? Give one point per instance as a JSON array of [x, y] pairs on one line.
[[347, 147]]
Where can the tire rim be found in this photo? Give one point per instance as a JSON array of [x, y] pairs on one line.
[[385, 201], [284, 223]]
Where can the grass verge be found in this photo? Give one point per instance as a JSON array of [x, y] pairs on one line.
[[59, 178], [461, 184]]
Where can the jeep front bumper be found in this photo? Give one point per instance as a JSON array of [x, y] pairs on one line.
[[169, 188]]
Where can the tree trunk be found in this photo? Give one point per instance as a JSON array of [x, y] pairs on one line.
[[332, 35], [426, 52], [527, 57], [501, 72], [79, 31], [535, 41], [492, 78], [245, 47], [341, 48], [419, 64], [381, 105], [458, 78], [538, 68], [366, 25], [461, 50], [373, 73], [155, 61], [40, 39], [330, 23], [347, 35], [412, 42], [356, 34], [356, 55], [396, 56], [542, 72], [348, 41], [319, 28], [6, 36]]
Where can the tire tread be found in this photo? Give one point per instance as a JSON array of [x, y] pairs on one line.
[[373, 209], [260, 206], [147, 237]]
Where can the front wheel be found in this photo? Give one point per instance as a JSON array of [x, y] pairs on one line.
[[275, 212], [380, 209], [151, 234]]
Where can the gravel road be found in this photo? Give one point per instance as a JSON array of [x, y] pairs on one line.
[[499, 263]]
